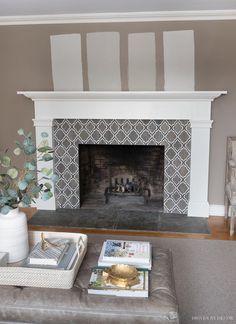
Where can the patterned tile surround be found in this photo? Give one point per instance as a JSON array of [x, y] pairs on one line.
[[175, 135]]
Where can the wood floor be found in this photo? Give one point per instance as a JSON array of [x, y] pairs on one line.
[[219, 229]]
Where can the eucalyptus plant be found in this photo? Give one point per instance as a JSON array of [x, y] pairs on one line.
[[21, 186]]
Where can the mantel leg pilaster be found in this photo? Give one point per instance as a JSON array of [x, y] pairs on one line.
[[44, 125], [200, 142]]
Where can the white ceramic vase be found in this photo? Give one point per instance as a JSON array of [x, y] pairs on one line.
[[14, 235]]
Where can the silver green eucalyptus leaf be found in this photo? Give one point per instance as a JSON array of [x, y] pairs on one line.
[[17, 151], [54, 178], [21, 131], [27, 141], [46, 195], [48, 185], [47, 157], [22, 185], [44, 149], [5, 161], [12, 193], [13, 173], [29, 149], [29, 177], [5, 210], [36, 189], [26, 200], [46, 171], [44, 134], [31, 165], [3, 200]]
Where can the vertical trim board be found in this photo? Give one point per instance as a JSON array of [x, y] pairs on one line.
[[66, 59], [179, 60], [142, 61], [103, 54]]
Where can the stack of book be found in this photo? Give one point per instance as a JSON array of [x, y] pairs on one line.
[[135, 253], [100, 286], [126, 252], [59, 254]]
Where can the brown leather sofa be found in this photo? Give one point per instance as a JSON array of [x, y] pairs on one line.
[[42, 305]]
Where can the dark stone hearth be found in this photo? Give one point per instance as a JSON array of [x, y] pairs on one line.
[[118, 219]]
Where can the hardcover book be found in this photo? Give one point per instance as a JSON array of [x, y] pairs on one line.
[[52, 255], [65, 263], [99, 286], [137, 253]]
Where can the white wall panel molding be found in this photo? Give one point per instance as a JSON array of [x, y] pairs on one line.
[[119, 17], [103, 56], [179, 71], [142, 61], [66, 58]]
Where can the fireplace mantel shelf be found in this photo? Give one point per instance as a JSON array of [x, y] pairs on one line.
[[123, 95], [190, 105]]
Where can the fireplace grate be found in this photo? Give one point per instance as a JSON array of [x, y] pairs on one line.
[[129, 188]]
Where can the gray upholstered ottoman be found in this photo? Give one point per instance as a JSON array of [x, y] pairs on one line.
[[41, 305]]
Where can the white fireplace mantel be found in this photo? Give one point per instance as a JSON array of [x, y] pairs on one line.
[[194, 106], [135, 104], [122, 95]]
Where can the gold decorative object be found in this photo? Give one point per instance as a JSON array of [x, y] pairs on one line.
[[45, 244], [122, 275]]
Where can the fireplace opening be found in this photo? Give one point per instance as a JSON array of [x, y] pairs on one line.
[[127, 176]]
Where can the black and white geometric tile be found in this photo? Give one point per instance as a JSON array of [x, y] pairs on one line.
[[175, 135]]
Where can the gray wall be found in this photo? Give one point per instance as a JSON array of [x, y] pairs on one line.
[[25, 64]]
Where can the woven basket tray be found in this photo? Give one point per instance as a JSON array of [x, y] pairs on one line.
[[16, 275]]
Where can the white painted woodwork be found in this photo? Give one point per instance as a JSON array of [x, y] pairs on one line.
[[141, 61], [188, 105], [103, 55], [111, 17], [199, 172], [44, 125], [66, 58], [179, 60]]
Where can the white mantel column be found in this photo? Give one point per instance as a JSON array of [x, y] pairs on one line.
[[200, 144], [45, 125]]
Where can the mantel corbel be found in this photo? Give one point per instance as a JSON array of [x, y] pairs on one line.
[[43, 122], [201, 123]]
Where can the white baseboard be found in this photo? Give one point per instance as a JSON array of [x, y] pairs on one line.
[[217, 210]]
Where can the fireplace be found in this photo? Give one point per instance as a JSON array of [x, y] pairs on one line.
[[114, 118], [125, 175]]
